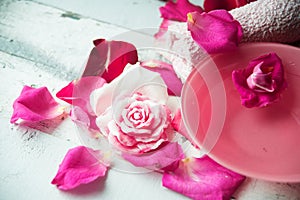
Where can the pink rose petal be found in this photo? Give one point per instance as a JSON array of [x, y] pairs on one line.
[[203, 179], [224, 4], [82, 117], [253, 96], [175, 11], [151, 85], [163, 28], [166, 157], [77, 93], [178, 125], [35, 104], [81, 165], [108, 59], [178, 10], [168, 74], [215, 31]]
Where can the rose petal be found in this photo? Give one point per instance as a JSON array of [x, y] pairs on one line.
[[174, 103], [35, 104], [77, 93], [202, 178], [148, 83], [224, 4], [81, 117], [178, 125], [215, 31], [168, 74], [81, 165], [103, 120], [178, 10], [108, 59], [166, 157], [252, 98], [261, 81], [175, 11], [163, 28], [145, 82]]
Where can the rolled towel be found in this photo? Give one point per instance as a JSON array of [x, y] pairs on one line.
[[262, 21], [269, 21]]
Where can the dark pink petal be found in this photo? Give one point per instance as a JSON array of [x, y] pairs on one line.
[[178, 10], [35, 104], [167, 73], [203, 179], [224, 4], [108, 59], [77, 93], [255, 97], [81, 165], [166, 157], [215, 31]]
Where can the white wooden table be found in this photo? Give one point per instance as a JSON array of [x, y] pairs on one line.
[[44, 46]]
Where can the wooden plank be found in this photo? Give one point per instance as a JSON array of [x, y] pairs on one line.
[[49, 36], [131, 14]]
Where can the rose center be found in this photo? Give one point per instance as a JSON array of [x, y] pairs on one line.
[[261, 79], [137, 116]]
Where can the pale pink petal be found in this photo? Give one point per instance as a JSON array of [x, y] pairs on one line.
[[81, 165], [203, 179], [215, 31], [179, 126], [174, 104], [178, 10], [103, 120], [163, 28], [168, 74], [78, 115], [35, 104], [101, 99], [252, 97], [77, 93], [164, 158], [145, 82], [109, 58]]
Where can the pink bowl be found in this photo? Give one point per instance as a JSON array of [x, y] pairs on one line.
[[262, 143]]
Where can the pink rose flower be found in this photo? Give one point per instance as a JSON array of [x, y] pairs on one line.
[[132, 111], [261, 82]]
